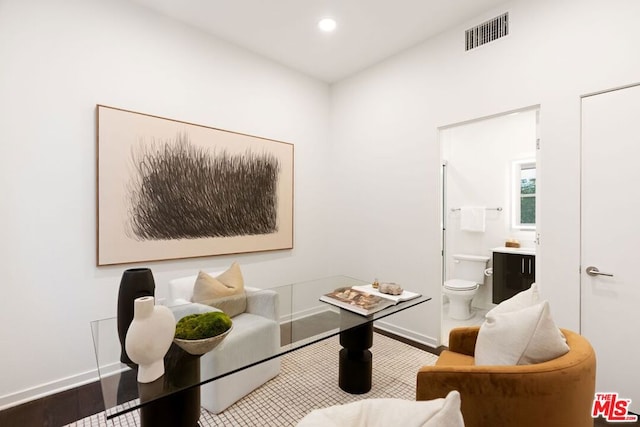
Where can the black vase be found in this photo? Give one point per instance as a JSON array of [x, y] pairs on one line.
[[135, 283]]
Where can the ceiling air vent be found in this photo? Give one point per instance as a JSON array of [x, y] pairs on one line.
[[487, 32]]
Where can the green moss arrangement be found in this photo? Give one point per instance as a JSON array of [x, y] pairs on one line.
[[203, 325]]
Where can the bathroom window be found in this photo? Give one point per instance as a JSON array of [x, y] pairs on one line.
[[524, 195]]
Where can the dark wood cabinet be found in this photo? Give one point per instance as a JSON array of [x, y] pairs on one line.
[[512, 273]]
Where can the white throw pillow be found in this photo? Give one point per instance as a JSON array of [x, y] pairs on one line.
[[521, 337], [522, 299], [389, 412]]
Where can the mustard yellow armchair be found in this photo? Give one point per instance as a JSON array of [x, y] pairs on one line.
[[556, 393]]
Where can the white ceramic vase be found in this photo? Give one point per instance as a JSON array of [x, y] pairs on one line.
[[149, 337]]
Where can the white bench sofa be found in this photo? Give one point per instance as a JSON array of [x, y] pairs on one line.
[[255, 336]]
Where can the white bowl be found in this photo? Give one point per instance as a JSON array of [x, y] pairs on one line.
[[200, 347]]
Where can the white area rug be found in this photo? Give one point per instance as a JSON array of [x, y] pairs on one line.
[[309, 380]]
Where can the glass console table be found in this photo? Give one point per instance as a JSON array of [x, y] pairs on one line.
[[304, 320]]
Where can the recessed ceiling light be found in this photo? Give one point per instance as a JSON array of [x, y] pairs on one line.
[[327, 24]]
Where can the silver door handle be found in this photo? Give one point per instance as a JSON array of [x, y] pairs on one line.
[[593, 271]]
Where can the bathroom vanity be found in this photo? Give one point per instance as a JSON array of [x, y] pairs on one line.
[[514, 270]]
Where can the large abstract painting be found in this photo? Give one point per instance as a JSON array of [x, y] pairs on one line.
[[168, 189]]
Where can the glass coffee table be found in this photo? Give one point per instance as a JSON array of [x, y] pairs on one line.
[[304, 320]]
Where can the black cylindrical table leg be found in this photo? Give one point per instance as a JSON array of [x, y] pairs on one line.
[[356, 361], [180, 409]]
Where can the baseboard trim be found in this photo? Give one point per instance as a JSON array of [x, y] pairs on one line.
[[407, 334], [47, 389], [302, 314]]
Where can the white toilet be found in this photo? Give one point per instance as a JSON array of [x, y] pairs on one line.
[[468, 273]]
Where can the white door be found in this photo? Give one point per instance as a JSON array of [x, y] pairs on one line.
[[610, 227]]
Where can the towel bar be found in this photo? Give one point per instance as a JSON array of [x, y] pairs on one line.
[[489, 209]]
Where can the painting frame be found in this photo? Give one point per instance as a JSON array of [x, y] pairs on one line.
[[169, 189]]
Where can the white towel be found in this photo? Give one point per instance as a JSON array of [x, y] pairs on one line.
[[472, 218]]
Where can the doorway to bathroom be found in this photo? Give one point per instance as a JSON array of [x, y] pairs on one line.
[[489, 185]]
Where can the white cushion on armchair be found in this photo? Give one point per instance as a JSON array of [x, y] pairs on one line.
[[383, 412], [255, 336]]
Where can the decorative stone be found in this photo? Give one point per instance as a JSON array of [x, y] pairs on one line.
[[390, 288]]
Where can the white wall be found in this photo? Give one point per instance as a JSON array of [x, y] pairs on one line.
[[386, 153], [480, 158], [58, 60], [367, 158]]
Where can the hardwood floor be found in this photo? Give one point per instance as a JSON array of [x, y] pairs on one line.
[[56, 410]]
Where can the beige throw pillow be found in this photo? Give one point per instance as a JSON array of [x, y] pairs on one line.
[[520, 337], [225, 292]]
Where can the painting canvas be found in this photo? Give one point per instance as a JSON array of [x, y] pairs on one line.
[[169, 189]]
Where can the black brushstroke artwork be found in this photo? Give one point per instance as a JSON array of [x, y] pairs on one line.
[[182, 191]]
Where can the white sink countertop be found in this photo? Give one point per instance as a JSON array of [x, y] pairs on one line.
[[521, 251]]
